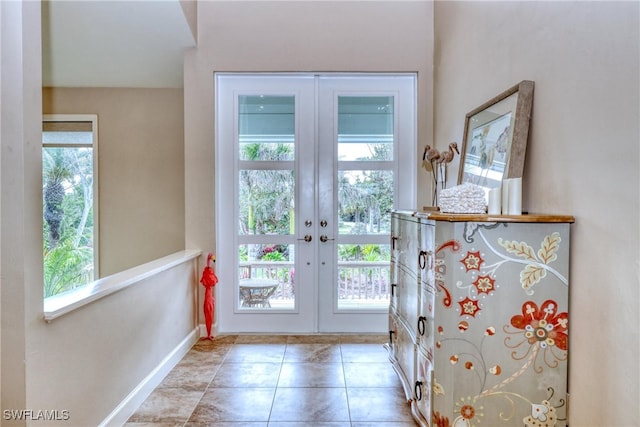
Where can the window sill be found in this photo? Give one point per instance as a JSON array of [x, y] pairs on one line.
[[59, 305]]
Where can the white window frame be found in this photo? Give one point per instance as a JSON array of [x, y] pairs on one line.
[[93, 118]]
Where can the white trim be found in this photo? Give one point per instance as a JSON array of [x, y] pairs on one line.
[[129, 404], [66, 302]]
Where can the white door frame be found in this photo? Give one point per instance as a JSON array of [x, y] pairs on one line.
[[311, 259]]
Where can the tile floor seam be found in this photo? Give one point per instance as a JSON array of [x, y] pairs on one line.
[[346, 393], [195, 406], [219, 365], [275, 390], [346, 389]]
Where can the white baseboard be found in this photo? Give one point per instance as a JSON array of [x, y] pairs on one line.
[[128, 406]]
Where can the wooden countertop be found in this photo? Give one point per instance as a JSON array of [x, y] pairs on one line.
[[453, 217]]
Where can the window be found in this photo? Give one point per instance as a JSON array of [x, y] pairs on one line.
[[69, 202]]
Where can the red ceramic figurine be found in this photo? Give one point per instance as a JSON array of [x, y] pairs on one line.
[[209, 280]]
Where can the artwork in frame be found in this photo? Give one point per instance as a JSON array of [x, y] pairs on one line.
[[495, 138]]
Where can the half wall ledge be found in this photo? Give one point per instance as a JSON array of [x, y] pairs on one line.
[[66, 302]]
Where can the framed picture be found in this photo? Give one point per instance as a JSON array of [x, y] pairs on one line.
[[495, 138]]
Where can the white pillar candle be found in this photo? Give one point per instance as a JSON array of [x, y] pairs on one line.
[[505, 196], [494, 201], [515, 196]]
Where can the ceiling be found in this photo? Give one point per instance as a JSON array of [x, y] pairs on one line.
[[114, 43]]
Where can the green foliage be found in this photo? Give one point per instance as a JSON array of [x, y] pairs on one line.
[[56, 171], [266, 151], [243, 253], [273, 256], [266, 197], [68, 218], [368, 252], [366, 198], [273, 253], [66, 267]]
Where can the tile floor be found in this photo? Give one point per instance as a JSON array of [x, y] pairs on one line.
[[279, 381]]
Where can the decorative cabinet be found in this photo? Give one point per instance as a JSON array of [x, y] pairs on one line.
[[478, 319]]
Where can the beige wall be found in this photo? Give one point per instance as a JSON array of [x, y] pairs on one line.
[[86, 362], [141, 169], [306, 36], [582, 159]]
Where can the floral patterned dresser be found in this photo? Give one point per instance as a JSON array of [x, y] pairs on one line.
[[478, 320]]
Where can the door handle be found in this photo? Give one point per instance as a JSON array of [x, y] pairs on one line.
[[307, 238], [324, 238]]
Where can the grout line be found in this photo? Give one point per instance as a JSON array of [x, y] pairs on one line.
[[346, 387], [275, 389]]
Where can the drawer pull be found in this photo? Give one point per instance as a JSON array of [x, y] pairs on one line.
[[418, 390], [425, 260], [391, 337], [422, 325], [422, 260], [393, 289]]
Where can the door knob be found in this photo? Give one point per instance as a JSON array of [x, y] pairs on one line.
[[324, 238], [307, 238]]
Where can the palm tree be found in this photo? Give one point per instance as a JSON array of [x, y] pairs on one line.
[[266, 197], [66, 267], [55, 173], [67, 207]]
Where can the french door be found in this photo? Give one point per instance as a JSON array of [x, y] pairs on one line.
[[308, 168]]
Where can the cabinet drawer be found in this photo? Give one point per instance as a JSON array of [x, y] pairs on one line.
[[425, 333], [422, 389], [407, 296], [403, 350], [393, 280], [425, 323], [405, 269]]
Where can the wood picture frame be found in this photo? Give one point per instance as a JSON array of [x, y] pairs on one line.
[[495, 137]]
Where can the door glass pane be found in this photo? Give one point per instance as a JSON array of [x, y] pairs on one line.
[[266, 127], [266, 276], [363, 276], [266, 202], [365, 128], [365, 200]]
